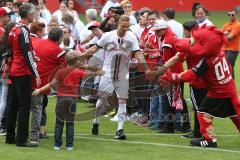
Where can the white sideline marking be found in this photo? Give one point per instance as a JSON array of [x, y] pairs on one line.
[[159, 144], [153, 134], [81, 136]]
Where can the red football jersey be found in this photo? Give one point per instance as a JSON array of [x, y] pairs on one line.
[[167, 49], [192, 60], [22, 62], [152, 52], [47, 51], [34, 40], [147, 32], [216, 72], [68, 81]]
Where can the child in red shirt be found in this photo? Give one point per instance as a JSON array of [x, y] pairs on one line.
[[66, 81]]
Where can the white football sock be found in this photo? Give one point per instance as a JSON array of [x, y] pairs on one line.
[[122, 110], [99, 106]]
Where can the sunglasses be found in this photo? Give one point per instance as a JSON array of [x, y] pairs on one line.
[[232, 15]]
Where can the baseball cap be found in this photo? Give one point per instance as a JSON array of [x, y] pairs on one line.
[[5, 11], [93, 24], [160, 24]]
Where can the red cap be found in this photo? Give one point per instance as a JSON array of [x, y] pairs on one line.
[[5, 11], [93, 25]]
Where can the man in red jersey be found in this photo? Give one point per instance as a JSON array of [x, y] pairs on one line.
[[221, 99], [47, 50], [198, 88], [22, 68], [166, 45]]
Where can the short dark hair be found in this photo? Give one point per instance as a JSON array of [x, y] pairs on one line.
[[142, 11], [55, 34], [170, 13], [156, 12], [204, 9], [189, 25], [64, 2], [66, 41], [8, 1], [25, 9], [34, 2], [18, 4], [194, 5]]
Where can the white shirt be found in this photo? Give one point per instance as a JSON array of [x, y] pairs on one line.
[[86, 32], [133, 20], [45, 14], [58, 14], [77, 27], [117, 53], [176, 27], [206, 21], [137, 30], [98, 58], [106, 7]]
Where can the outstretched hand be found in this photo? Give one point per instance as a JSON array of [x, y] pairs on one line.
[[100, 72], [171, 77], [36, 92]]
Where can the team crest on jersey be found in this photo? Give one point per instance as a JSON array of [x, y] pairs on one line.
[[111, 46], [126, 46]]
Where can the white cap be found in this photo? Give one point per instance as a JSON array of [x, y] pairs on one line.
[[160, 24]]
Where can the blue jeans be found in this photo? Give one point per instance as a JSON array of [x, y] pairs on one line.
[[3, 99], [65, 112], [232, 57], [157, 113]]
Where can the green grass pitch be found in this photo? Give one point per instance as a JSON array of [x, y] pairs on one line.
[[141, 143]]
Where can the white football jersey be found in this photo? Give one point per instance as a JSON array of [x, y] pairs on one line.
[[117, 53]]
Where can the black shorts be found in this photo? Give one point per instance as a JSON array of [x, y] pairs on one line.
[[197, 96], [217, 107]]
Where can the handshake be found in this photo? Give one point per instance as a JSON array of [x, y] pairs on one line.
[[164, 75]]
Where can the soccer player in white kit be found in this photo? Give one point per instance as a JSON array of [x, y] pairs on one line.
[[119, 46]]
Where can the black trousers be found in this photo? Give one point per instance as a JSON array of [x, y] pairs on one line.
[[19, 104], [44, 114], [197, 96]]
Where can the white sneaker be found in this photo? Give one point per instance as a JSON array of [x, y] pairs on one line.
[[3, 132], [69, 148], [56, 148], [85, 98], [115, 118]]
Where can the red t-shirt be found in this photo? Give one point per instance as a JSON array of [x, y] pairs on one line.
[[217, 73], [68, 81], [144, 36], [34, 40], [167, 49], [191, 62], [153, 54], [47, 51]]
